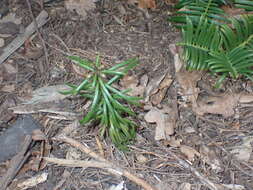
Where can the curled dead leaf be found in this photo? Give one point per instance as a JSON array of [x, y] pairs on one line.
[[188, 82], [132, 82], [33, 53], [153, 86], [147, 4], [161, 90], [165, 124], [223, 105]]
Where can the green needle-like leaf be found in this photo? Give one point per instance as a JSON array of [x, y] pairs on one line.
[[109, 104], [93, 109], [81, 62]]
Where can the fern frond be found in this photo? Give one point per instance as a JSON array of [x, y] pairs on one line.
[[244, 4], [198, 42], [240, 34], [195, 9], [183, 3], [235, 63]]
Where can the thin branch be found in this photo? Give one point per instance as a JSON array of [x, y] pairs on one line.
[[111, 167]]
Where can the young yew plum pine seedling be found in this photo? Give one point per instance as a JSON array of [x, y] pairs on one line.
[[109, 104]]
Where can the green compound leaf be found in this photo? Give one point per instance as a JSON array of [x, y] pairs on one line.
[[195, 9]]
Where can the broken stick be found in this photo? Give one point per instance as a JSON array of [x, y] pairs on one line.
[[101, 162]]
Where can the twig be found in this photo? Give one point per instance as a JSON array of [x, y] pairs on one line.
[[203, 179], [78, 163], [16, 163], [38, 32], [111, 167]]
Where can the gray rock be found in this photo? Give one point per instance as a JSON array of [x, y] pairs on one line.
[[13, 137]]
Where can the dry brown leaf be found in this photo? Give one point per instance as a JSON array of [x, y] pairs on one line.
[[132, 82], [33, 53], [165, 123], [232, 11], [38, 135], [243, 151], [153, 86], [80, 6], [188, 82], [147, 4], [223, 105], [189, 152], [162, 89]]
